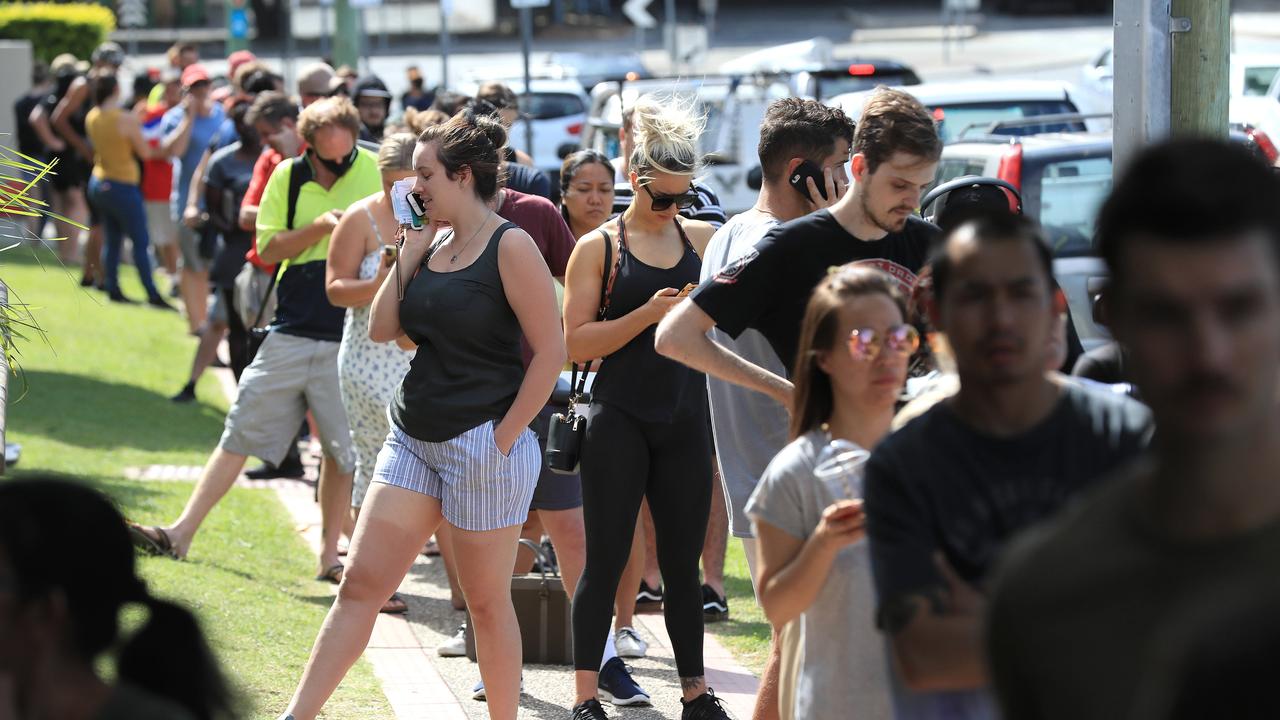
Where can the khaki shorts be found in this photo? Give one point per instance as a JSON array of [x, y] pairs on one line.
[[189, 244], [160, 224], [287, 377]]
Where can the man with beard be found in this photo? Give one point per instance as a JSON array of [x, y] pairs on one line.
[[947, 492], [1158, 592], [896, 149]]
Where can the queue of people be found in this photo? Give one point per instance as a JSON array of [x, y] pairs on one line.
[[747, 368]]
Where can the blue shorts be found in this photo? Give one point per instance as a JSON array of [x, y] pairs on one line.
[[479, 488]]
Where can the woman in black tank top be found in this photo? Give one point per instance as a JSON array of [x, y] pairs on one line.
[[460, 450], [647, 429]]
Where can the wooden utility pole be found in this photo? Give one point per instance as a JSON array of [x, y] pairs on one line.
[[1200, 91]]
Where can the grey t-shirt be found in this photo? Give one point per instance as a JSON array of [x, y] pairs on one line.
[[845, 671], [749, 427]]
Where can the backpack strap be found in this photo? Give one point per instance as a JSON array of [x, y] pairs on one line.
[[299, 174]]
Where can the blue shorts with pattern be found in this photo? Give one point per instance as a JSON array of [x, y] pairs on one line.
[[479, 488]]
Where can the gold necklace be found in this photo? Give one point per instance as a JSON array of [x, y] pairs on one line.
[[454, 259]]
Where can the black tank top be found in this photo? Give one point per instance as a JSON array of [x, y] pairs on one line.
[[467, 369], [635, 378]]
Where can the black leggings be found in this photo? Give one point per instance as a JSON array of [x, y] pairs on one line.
[[623, 461]]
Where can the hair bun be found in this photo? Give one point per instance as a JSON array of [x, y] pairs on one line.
[[492, 129], [666, 135]]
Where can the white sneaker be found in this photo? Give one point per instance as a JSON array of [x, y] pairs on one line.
[[630, 644], [455, 646], [478, 693]]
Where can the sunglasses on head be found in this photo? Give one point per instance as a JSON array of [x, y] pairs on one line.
[[867, 343], [684, 200]]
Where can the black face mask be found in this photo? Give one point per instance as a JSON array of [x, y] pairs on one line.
[[337, 167]]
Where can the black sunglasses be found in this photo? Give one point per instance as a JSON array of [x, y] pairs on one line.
[[684, 200]]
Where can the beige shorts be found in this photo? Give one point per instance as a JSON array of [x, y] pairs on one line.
[[287, 377], [160, 224]]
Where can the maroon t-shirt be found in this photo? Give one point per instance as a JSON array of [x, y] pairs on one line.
[[544, 223]]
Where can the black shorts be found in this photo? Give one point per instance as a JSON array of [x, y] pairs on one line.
[[555, 491], [71, 171]]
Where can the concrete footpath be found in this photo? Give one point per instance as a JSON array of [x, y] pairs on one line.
[[420, 685]]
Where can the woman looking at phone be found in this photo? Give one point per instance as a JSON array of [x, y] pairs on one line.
[[647, 428], [361, 254], [850, 368], [460, 449]]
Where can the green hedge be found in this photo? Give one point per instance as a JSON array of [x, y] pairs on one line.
[[53, 29]]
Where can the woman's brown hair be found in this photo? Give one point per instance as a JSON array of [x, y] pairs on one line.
[[813, 403], [474, 141]]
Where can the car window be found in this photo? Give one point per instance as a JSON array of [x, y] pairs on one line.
[[829, 86], [1258, 78], [954, 119], [548, 106], [1071, 192]]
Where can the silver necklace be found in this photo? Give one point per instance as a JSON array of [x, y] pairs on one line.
[[454, 259]]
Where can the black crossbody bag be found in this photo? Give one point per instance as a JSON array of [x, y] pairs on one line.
[[568, 428]]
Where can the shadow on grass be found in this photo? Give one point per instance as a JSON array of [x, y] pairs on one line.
[[98, 414]]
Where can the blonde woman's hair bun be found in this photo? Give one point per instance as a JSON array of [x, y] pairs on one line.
[[666, 131]]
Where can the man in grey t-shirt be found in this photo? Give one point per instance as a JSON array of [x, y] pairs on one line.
[[749, 427]]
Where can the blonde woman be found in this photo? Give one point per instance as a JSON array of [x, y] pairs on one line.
[[647, 433], [361, 254]]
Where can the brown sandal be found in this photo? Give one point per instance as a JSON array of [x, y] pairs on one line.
[[395, 605], [159, 545], [333, 574]]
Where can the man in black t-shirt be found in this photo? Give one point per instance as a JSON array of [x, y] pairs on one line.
[[948, 491], [896, 149]]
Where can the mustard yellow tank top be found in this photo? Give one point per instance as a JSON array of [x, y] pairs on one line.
[[113, 157]]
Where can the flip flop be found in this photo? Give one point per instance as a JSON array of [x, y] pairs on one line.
[[431, 549], [333, 574], [395, 605], [159, 545]]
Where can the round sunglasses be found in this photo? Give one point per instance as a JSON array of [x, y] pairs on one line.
[[683, 201], [867, 343]]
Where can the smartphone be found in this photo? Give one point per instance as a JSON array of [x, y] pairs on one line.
[[389, 252], [803, 172], [687, 289], [408, 211]]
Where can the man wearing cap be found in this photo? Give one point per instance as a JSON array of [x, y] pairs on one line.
[[188, 129], [374, 103]]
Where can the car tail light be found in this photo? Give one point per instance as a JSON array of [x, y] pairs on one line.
[[1010, 170], [862, 69], [1264, 144], [574, 129]]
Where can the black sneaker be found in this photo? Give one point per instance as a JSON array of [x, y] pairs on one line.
[[648, 599], [119, 297], [616, 685], [589, 710], [714, 607], [188, 394], [267, 471], [159, 302], [704, 707]]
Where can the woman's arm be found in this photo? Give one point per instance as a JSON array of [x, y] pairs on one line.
[[792, 571], [586, 337], [191, 213], [68, 106], [342, 283], [384, 315], [39, 119], [531, 293]]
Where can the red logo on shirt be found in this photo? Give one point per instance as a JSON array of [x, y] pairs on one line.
[[906, 279], [729, 275]]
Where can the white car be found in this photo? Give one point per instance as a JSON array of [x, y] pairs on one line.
[[970, 106], [558, 110], [1253, 81]]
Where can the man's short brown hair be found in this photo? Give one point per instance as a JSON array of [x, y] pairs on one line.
[[796, 127], [272, 107], [894, 121], [337, 111]]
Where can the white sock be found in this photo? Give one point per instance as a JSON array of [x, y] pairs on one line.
[[610, 650]]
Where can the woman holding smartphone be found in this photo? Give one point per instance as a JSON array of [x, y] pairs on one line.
[[361, 253], [460, 449], [647, 428], [850, 368]]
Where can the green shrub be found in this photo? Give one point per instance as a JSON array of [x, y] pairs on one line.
[[53, 29]]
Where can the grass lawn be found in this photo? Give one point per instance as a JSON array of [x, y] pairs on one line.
[[746, 633], [95, 403]]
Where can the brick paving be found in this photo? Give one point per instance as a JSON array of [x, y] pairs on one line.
[[420, 685]]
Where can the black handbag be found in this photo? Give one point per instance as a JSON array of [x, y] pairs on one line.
[[258, 335], [568, 429]]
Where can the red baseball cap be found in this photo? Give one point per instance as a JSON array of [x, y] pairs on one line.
[[238, 58], [193, 74]]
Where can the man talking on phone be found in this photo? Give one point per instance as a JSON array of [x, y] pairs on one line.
[[740, 326]]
